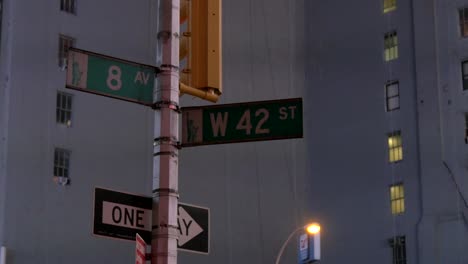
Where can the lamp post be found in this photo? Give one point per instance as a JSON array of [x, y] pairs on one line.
[[3, 255], [312, 229]]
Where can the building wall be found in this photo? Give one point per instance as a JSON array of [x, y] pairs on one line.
[[3, 116], [348, 153], [109, 140], [450, 49], [257, 192], [345, 75]]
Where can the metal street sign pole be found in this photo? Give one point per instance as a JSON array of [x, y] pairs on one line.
[[166, 133]]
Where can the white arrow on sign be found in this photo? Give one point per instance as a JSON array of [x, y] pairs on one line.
[[188, 228]]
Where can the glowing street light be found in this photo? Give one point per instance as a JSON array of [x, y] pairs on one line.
[[312, 229]]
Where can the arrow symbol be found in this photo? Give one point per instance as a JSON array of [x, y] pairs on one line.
[[188, 228]]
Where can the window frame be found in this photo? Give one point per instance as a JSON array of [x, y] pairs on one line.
[[397, 199], [68, 6], [389, 6], [388, 98], [62, 159], [463, 21], [398, 245], [466, 127], [65, 43], [464, 75], [396, 147], [64, 108], [391, 46]]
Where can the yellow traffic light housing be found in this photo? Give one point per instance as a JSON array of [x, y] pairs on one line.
[[200, 48]]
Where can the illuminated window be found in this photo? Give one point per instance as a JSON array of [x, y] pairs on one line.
[[392, 95], [395, 147], [64, 44], [397, 199], [68, 6], [398, 245], [463, 19], [61, 163], [64, 108], [391, 46], [465, 74], [389, 5]]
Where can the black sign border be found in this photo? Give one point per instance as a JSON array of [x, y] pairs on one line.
[[209, 230], [117, 232]]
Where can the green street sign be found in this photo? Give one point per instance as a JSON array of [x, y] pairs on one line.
[[253, 121], [112, 77]]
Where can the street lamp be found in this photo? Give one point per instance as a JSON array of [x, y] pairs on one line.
[[312, 229]]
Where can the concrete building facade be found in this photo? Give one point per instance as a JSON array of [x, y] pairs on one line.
[[256, 192], [387, 106]]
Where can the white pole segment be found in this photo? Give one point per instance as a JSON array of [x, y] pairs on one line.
[[166, 133]]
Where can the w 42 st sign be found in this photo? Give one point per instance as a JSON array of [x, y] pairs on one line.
[[253, 121]]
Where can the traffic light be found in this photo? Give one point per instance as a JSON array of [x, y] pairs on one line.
[[200, 48]]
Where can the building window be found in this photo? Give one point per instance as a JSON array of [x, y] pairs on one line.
[[465, 74], [65, 43], [392, 95], [391, 46], [397, 199], [466, 128], [64, 108], [395, 147], [389, 5], [61, 163], [68, 6], [463, 18], [398, 245]]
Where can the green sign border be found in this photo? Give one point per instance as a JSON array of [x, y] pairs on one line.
[[90, 53], [300, 135]]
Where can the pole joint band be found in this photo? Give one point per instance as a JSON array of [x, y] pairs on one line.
[[166, 153], [167, 140], [168, 67], [166, 190], [166, 104]]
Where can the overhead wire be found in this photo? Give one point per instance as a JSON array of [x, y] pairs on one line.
[[227, 183], [252, 85], [292, 179], [290, 7], [287, 147]]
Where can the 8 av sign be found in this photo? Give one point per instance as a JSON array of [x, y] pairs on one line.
[[263, 120], [112, 77]]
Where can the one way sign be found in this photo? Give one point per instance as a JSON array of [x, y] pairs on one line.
[[194, 228], [122, 215]]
